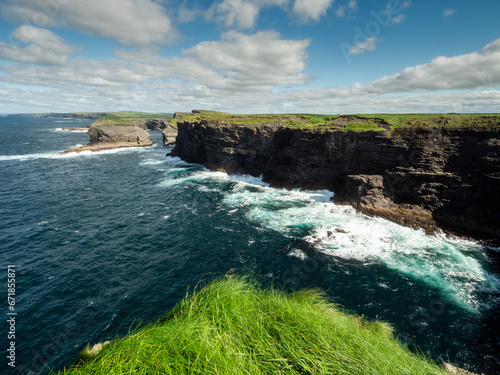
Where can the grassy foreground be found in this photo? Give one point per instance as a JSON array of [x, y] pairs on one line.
[[232, 327]]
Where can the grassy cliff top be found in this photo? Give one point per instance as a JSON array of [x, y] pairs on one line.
[[233, 327], [365, 122], [132, 114], [109, 120]]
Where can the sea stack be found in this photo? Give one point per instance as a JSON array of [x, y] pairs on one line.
[[109, 136]]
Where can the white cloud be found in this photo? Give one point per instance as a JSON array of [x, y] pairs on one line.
[[237, 62], [342, 10], [130, 22], [471, 71], [243, 13], [43, 47], [240, 12], [238, 72], [252, 61], [449, 12], [368, 45], [399, 18], [308, 10]]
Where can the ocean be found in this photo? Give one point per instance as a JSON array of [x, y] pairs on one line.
[[94, 244]]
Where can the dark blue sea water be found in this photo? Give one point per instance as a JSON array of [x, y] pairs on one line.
[[104, 241]]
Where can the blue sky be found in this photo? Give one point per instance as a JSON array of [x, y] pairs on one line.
[[250, 56]]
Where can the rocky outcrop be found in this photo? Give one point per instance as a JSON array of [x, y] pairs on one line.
[[105, 137], [150, 123], [421, 177], [169, 135]]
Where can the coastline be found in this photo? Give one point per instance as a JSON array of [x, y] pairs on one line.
[[432, 178]]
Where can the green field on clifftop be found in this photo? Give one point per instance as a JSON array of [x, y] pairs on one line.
[[234, 327], [364, 122]]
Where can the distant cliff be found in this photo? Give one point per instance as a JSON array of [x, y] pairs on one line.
[[423, 177]]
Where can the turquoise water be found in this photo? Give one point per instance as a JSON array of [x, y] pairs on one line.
[[107, 240]]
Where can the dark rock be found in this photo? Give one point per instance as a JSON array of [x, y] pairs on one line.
[[150, 123], [424, 178]]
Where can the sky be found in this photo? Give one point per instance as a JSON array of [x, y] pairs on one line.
[[250, 56]]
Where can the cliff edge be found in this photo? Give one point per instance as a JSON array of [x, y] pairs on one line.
[[430, 177], [105, 137]]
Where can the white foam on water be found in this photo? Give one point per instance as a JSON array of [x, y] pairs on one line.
[[452, 266], [152, 162], [69, 130], [61, 155], [297, 254], [24, 157]]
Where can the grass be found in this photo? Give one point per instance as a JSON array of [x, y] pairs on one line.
[[462, 121], [362, 127], [131, 114], [233, 327], [108, 120], [365, 122]]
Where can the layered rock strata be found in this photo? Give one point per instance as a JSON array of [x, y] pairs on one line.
[[105, 137], [169, 135], [424, 178]]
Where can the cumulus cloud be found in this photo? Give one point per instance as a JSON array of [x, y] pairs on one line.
[[130, 22], [471, 71], [368, 45], [238, 73], [262, 60], [311, 10], [43, 47], [237, 62]]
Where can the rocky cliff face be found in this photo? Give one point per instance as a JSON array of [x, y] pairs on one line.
[[104, 137], [424, 178], [150, 123], [169, 135]]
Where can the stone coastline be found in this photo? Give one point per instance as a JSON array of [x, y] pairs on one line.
[[430, 178]]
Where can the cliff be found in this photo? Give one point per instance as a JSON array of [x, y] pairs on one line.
[[423, 177], [150, 123], [105, 137], [169, 135]]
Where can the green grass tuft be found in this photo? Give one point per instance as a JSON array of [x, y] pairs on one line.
[[365, 122], [362, 127], [109, 120], [233, 327]]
